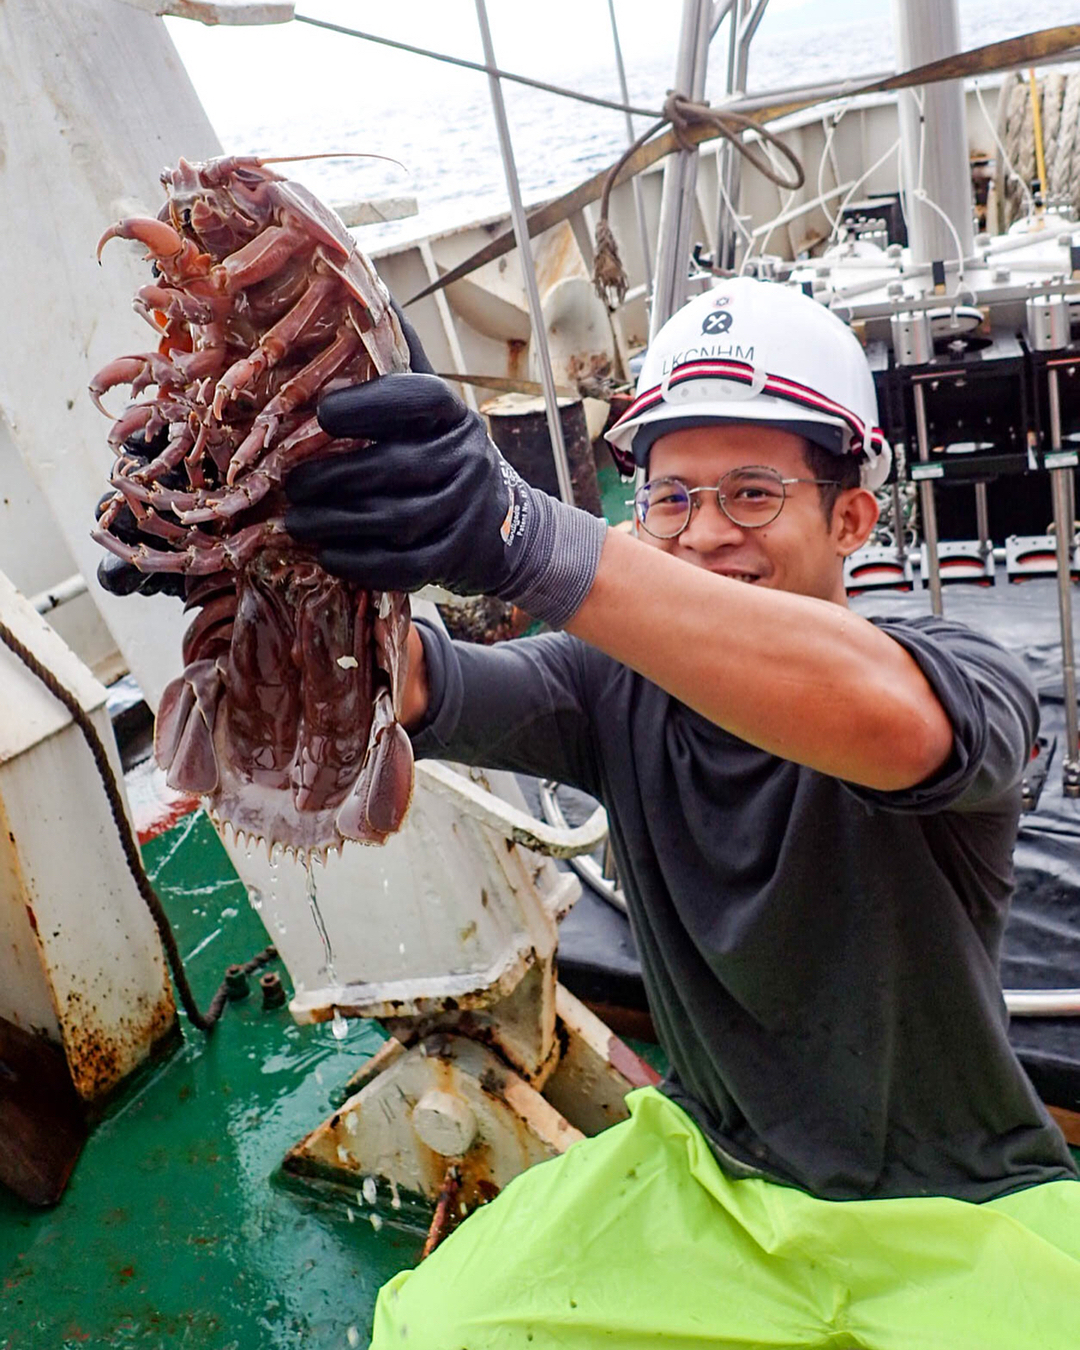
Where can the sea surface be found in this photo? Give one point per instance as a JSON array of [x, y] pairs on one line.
[[295, 89]]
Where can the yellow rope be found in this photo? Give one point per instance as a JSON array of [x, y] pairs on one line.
[[1036, 117]]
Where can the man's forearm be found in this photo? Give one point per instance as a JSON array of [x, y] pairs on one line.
[[414, 703], [805, 679]]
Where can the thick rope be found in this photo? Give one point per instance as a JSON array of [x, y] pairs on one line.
[[1059, 97], [683, 114], [205, 1022]]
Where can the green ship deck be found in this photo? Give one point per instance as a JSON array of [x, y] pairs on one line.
[[175, 1230]]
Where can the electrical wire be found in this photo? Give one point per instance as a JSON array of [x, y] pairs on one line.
[[827, 151], [736, 218], [858, 184], [1012, 175], [767, 232], [921, 194]]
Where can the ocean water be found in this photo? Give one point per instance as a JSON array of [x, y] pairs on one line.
[[295, 89]]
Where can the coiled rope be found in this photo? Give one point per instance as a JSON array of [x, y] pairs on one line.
[[683, 114], [204, 1021], [1059, 96]]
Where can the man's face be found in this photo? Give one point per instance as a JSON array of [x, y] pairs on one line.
[[800, 551]]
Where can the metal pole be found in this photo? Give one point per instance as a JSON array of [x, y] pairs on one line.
[[742, 34], [1063, 530], [982, 519], [933, 130], [898, 522], [680, 174], [927, 506], [631, 136], [726, 230], [528, 269]]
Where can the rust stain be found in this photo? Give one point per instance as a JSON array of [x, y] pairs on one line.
[[632, 1067], [587, 366], [32, 917], [445, 1212], [515, 353], [99, 1057]]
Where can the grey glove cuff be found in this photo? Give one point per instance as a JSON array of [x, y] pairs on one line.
[[559, 561]]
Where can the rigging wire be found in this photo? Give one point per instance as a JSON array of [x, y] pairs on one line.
[[479, 66]]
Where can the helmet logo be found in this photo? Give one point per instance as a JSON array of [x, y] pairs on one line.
[[717, 321]]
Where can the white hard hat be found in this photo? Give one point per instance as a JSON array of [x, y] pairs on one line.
[[756, 351]]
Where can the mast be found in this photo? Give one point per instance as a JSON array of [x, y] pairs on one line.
[[933, 128], [680, 172]]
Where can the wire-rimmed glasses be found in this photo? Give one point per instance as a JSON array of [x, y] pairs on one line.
[[750, 498]]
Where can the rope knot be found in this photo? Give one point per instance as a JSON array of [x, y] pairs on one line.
[[686, 117], [684, 113], [609, 274]]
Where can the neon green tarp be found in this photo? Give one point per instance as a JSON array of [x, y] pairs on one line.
[[637, 1238]]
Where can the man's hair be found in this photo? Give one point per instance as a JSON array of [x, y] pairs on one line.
[[842, 470]]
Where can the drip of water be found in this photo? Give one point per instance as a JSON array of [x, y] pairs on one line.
[[255, 897], [320, 928], [339, 1025]]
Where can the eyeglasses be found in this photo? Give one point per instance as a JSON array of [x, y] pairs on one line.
[[749, 497]]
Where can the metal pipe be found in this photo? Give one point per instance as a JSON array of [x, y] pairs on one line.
[[933, 131], [1042, 1002], [680, 174], [898, 521], [753, 11], [1063, 531], [528, 268], [746, 36], [719, 14], [631, 136], [727, 229], [982, 519], [588, 869], [60, 594], [927, 506]]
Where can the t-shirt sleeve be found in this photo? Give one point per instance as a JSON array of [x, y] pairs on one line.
[[991, 701], [516, 705]]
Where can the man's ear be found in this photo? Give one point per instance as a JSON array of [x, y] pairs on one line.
[[854, 516]]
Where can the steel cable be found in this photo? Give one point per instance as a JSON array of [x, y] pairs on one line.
[[613, 104]]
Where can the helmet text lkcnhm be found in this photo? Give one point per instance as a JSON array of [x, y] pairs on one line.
[[716, 350]]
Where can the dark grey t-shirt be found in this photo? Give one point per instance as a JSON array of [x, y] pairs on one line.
[[820, 959]]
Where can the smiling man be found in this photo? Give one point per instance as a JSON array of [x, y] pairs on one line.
[[813, 816]]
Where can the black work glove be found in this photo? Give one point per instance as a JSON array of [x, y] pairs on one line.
[[432, 500], [124, 578]]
